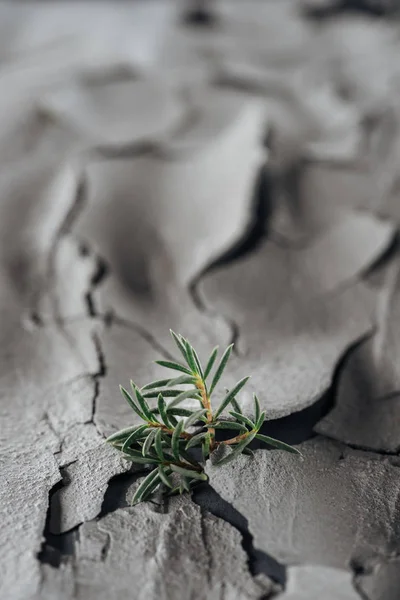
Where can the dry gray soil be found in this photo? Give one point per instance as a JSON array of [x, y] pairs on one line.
[[231, 174]]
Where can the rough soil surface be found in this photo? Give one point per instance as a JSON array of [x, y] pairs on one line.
[[229, 170]]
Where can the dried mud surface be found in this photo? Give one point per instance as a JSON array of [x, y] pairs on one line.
[[230, 173]]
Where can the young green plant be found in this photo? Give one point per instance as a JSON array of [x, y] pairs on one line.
[[176, 441]]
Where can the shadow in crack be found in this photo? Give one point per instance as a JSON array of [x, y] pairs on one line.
[[262, 206], [376, 8], [259, 562], [55, 547]]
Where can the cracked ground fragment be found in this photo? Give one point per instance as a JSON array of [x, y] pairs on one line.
[[86, 481], [307, 115], [140, 221], [175, 555], [334, 507], [297, 319], [370, 182], [115, 114], [47, 368], [381, 580], [33, 365], [367, 404], [313, 582]]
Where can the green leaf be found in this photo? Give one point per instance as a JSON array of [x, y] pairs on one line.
[[143, 404], [196, 439], [164, 476], [131, 403], [210, 362], [178, 341], [122, 434], [194, 417], [172, 365], [221, 367], [190, 357], [238, 449], [146, 487], [277, 444], [183, 379], [174, 422], [184, 396], [156, 384], [230, 395], [135, 435], [260, 421], [136, 456], [148, 442], [162, 407], [257, 409], [230, 425], [248, 452], [242, 419], [186, 483], [180, 412], [158, 445], [205, 448], [236, 405], [175, 439], [167, 393], [189, 473], [198, 363], [185, 455]]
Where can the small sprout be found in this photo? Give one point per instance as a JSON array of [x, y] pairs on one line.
[[177, 456]]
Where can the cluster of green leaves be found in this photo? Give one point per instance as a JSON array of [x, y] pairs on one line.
[[177, 441]]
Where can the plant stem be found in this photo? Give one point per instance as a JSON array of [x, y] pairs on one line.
[[234, 440], [184, 435], [206, 402]]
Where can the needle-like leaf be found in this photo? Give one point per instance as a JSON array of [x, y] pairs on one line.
[[162, 409], [228, 398], [183, 379], [257, 408], [131, 403], [196, 416], [175, 439], [172, 365], [180, 412], [158, 445], [120, 436], [242, 419], [148, 442], [156, 384], [277, 443], [196, 439], [146, 486], [135, 435], [167, 393], [237, 450], [230, 425], [248, 452], [145, 408], [178, 341], [210, 362], [189, 473], [190, 358], [221, 367], [260, 421], [184, 396], [205, 448], [198, 363], [164, 476], [136, 456]]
